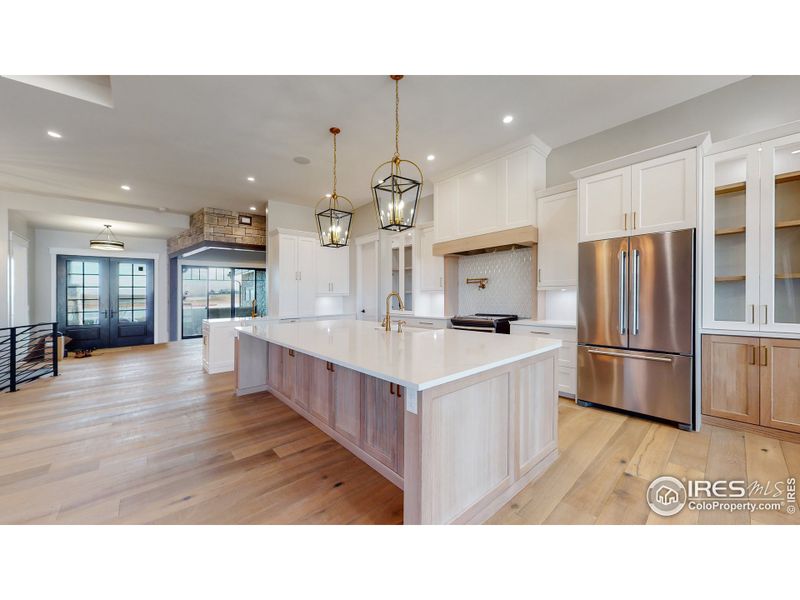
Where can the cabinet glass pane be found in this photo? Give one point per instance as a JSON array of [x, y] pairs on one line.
[[396, 269], [408, 278], [729, 240], [787, 234]]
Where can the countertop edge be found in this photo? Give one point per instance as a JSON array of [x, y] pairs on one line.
[[554, 345]]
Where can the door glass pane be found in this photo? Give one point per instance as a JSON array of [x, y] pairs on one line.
[[396, 269], [219, 293], [195, 300], [408, 278], [130, 295], [787, 234], [244, 289], [83, 292], [729, 240]]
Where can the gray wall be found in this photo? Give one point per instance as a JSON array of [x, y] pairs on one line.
[[747, 106]]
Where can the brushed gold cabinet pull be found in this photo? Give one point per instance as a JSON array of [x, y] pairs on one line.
[[291, 352], [540, 276], [399, 393], [391, 388], [764, 359], [634, 220], [752, 355], [625, 225]]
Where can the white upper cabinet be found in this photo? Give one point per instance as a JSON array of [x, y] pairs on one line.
[[490, 195], [664, 193], [751, 238], [333, 271], [604, 202], [431, 267], [292, 275], [307, 272], [646, 197], [558, 240]]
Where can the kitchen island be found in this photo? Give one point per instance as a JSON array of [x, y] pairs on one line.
[[461, 421]]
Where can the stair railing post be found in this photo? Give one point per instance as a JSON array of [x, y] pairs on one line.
[[55, 349], [12, 371]]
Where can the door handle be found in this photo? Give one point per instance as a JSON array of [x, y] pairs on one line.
[[635, 328], [623, 256], [636, 356]]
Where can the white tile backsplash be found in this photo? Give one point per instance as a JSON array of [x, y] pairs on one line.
[[508, 289], [561, 305]]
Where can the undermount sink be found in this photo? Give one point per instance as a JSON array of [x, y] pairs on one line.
[[405, 329]]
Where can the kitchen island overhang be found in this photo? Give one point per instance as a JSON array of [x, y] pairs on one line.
[[461, 421]]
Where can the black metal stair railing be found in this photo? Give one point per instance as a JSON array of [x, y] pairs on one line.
[[27, 352]]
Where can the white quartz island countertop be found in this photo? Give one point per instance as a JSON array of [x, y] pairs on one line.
[[417, 359]]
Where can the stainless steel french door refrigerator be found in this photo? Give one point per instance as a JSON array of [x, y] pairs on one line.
[[636, 324]]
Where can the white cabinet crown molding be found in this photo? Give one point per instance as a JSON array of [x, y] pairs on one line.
[[700, 140], [527, 142], [757, 137], [294, 232], [569, 186]]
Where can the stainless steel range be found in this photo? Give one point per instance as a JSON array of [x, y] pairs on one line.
[[486, 322]]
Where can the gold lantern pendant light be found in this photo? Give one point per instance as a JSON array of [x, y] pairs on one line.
[[395, 191], [333, 222]]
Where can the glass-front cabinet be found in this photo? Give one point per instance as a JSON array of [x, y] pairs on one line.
[[780, 236], [751, 238], [403, 269]]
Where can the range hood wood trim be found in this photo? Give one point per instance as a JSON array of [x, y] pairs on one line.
[[519, 236]]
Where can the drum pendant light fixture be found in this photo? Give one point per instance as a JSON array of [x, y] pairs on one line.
[[333, 222], [106, 241], [397, 183]]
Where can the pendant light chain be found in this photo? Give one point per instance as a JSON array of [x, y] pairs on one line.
[[397, 118], [333, 197]]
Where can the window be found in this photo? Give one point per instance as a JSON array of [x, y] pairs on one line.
[[220, 292]]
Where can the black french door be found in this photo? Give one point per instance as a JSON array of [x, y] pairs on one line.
[[105, 302]]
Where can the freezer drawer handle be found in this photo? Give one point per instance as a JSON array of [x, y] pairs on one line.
[[623, 309], [639, 356]]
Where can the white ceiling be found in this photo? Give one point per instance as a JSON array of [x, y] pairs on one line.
[[187, 142], [84, 224]]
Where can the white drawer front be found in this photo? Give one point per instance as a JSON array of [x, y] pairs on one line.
[[561, 333], [568, 354], [425, 323], [567, 380]]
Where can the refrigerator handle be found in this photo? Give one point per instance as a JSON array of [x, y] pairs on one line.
[[623, 296], [635, 326]]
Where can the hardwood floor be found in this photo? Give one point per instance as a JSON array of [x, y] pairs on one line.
[[144, 436]]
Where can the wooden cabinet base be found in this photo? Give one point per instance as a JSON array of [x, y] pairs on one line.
[[778, 434]]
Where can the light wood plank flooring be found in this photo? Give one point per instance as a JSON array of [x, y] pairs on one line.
[[144, 436]]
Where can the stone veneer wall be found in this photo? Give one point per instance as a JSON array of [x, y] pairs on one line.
[[220, 225]]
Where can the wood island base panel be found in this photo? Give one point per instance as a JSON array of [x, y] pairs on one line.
[[459, 450]]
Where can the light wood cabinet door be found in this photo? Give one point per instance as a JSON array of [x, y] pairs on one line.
[[288, 371], [558, 240], [664, 193], [382, 435], [780, 383], [347, 397], [604, 205], [275, 367], [313, 386], [731, 378]]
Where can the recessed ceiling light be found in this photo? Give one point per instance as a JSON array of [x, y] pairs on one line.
[[795, 151], [162, 209], [301, 160], [251, 179], [54, 134], [127, 188], [253, 208], [760, 149], [507, 119], [431, 157]]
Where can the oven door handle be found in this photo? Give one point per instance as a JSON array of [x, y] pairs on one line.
[[473, 328]]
